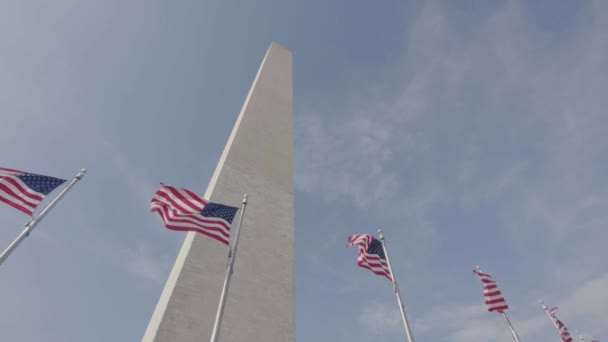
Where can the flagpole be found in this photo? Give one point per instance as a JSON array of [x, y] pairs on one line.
[[580, 336], [551, 318], [215, 335], [406, 324], [510, 327], [504, 315], [29, 226]]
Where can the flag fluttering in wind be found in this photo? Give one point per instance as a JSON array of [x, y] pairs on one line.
[[371, 254], [565, 334], [491, 294], [183, 210], [24, 191], [494, 298]]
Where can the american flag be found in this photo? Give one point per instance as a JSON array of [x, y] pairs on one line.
[[24, 191], [183, 210], [491, 293], [371, 254], [563, 331]]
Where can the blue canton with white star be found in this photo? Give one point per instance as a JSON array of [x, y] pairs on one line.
[[41, 184], [219, 210], [375, 247]]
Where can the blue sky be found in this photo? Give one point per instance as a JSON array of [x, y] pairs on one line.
[[472, 133]]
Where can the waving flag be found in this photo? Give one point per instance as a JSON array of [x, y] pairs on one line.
[[183, 210], [492, 296], [371, 254], [24, 191], [565, 334]]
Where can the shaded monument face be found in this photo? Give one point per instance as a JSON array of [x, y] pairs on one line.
[[258, 161]]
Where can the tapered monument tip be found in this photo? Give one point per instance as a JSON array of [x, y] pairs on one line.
[[275, 45]]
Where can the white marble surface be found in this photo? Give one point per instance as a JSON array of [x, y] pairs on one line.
[[257, 160]]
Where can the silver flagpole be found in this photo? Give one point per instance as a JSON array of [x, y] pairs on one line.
[[504, 315], [231, 256], [510, 327], [551, 318], [580, 336], [29, 226], [408, 331]]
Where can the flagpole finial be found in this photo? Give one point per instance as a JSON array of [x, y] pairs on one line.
[[81, 173], [244, 199], [381, 234], [478, 268]]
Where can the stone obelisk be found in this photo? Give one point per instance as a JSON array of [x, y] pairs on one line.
[[258, 161]]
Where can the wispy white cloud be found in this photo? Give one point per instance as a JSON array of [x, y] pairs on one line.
[[589, 301], [500, 114], [462, 322], [542, 109], [140, 262], [347, 160], [136, 178], [474, 323], [380, 318]]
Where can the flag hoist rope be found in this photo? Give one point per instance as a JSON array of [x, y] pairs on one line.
[[215, 335], [406, 324], [29, 226]]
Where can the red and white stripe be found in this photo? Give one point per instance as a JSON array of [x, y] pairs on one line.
[[17, 194], [563, 330], [492, 296], [370, 261], [180, 210]]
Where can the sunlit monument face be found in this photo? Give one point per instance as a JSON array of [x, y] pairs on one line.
[[257, 160]]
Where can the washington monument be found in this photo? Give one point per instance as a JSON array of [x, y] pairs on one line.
[[258, 161]]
